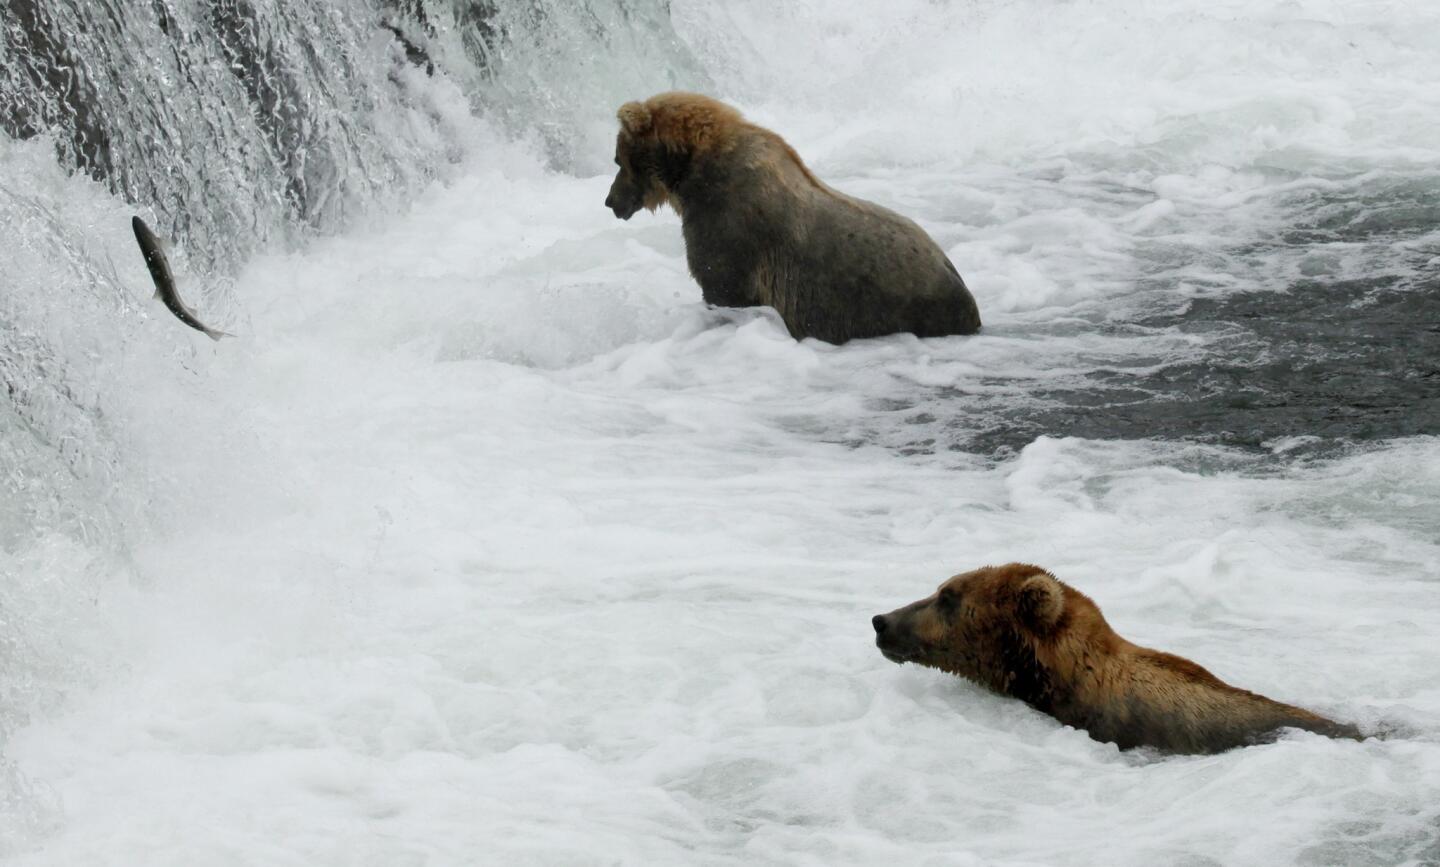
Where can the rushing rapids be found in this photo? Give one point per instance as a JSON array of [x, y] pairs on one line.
[[486, 541]]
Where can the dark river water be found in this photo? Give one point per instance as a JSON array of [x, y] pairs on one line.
[[1331, 340]]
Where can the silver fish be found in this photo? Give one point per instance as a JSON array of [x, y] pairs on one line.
[[165, 281]]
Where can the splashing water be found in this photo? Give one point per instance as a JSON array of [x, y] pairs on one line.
[[487, 542]]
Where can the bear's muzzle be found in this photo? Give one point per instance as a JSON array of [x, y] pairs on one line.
[[889, 641]]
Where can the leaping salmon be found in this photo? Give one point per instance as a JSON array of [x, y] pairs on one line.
[[165, 281]]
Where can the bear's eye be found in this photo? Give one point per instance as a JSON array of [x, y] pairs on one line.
[[948, 598]]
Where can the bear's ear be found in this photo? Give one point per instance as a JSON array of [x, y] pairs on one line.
[[635, 119], [1041, 600]]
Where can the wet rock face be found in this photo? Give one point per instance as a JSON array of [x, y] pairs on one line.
[[236, 122], [45, 88], [232, 121]]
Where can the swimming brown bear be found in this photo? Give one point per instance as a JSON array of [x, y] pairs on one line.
[[760, 229], [1019, 631]]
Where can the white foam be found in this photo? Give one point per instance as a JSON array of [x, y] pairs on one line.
[[488, 543]]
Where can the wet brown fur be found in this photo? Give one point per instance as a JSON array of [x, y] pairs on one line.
[[1021, 632], [761, 229]]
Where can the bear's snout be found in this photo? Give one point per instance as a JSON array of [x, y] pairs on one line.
[[623, 210], [891, 637], [624, 198]]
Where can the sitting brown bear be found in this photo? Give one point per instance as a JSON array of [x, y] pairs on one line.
[[760, 229], [1019, 631]]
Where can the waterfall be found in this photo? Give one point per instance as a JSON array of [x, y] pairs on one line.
[[232, 126]]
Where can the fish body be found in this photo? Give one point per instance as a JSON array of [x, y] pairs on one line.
[[165, 281]]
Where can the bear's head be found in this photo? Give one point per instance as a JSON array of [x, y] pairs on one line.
[[659, 140], [989, 626]]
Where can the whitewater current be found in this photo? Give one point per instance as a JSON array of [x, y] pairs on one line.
[[487, 542]]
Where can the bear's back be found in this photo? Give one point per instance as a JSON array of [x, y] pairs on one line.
[[1157, 699], [760, 228]]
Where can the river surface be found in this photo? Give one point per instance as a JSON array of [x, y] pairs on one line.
[[486, 542]]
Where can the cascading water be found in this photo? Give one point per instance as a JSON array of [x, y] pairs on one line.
[[485, 541], [234, 127]]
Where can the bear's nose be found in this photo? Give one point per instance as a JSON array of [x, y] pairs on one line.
[[878, 621], [610, 201]]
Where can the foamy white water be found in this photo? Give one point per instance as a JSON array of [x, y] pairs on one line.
[[487, 543]]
